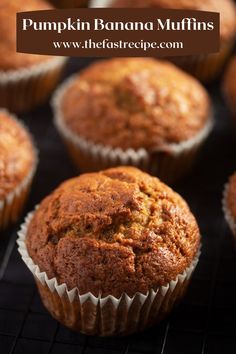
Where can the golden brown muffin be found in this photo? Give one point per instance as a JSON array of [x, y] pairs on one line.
[[70, 3], [17, 154], [9, 58], [229, 204], [18, 160], [230, 85], [226, 8], [231, 196], [204, 67], [135, 103], [116, 231], [26, 80]]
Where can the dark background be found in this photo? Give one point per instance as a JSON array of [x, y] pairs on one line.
[[204, 322]]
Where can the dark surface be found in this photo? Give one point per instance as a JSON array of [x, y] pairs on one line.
[[205, 321]]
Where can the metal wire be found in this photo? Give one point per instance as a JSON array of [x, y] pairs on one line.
[[191, 328]]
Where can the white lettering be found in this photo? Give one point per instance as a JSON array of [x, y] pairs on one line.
[[27, 22]]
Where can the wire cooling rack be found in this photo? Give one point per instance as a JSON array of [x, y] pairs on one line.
[[204, 322]]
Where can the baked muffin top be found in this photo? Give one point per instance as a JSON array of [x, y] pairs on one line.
[[17, 154], [231, 196], [9, 58], [230, 83], [226, 8], [135, 103], [115, 231]]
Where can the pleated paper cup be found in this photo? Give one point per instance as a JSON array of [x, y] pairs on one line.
[[24, 89], [205, 67], [100, 3], [104, 316], [227, 214], [229, 101], [11, 206], [169, 163], [231, 105]]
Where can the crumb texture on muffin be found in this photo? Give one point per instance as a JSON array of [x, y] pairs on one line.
[[231, 196], [9, 58], [115, 231], [17, 154], [230, 83], [226, 8], [135, 103]]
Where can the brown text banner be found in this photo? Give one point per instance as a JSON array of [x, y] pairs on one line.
[[118, 32]]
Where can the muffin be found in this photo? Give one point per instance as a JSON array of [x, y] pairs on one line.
[[112, 251], [26, 80], [133, 111], [70, 3], [18, 160], [230, 85], [229, 203], [204, 67]]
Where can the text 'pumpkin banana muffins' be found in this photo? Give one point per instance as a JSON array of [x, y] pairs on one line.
[[18, 159], [204, 67], [230, 85], [111, 252], [26, 80], [229, 203], [140, 112]]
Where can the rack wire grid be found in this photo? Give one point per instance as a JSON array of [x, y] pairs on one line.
[[203, 323]]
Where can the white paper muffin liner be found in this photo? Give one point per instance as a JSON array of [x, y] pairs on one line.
[[227, 214], [205, 67], [23, 89], [104, 316], [100, 3], [13, 203], [169, 163], [230, 103]]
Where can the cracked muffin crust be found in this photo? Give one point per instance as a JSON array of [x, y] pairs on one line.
[[119, 230], [135, 103], [17, 154], [226, 8], [230, 85]]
